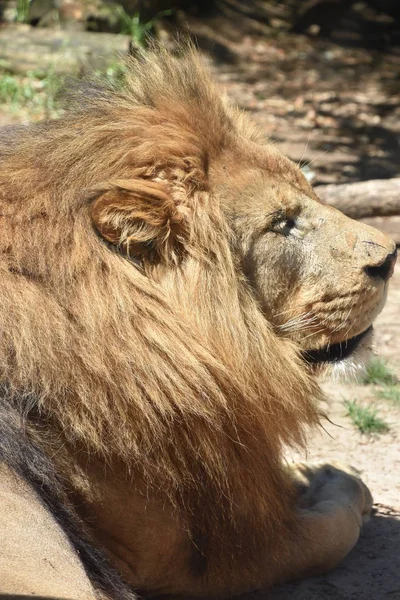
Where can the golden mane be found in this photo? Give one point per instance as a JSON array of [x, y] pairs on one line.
[[172, 369]]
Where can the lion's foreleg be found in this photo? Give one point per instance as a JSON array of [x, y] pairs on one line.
[[333, 505]]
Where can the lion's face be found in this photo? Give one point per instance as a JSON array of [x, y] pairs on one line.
[[321, 277]]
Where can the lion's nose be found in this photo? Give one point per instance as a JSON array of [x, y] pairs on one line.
[[385, 268]]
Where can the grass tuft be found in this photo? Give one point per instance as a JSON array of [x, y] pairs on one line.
[[30, 91], [133, 26], [391, 393], [365, 418], [33, 96], [22, 8], [378, 373]]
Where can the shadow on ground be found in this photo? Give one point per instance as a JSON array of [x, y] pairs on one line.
[[370, 572]]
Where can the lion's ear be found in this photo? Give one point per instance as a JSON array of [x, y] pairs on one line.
[[142, 218]]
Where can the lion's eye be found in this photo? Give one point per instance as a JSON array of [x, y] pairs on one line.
[[283, 225]]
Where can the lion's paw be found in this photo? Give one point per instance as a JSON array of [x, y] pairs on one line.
[[332, 482]]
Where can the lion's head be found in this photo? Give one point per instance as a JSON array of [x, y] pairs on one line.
[[320, 277], [165, 276]]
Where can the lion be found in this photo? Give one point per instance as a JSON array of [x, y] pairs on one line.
[[171, 288]]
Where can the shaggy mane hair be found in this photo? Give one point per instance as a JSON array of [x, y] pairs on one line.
[[155, 354]]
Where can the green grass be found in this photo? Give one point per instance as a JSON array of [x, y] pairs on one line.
[[137, 30], [391, 393], [22, 11], [34, 96], [378, 373], [385, 383], [114, 73], [365, 418], [30, 91]]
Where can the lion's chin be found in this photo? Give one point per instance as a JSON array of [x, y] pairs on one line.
[[344, 360]]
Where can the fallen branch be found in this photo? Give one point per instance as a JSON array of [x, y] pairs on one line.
[[374, 198], [388, 225]]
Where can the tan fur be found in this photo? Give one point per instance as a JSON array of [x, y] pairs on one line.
[[35, 556], [143, 308]]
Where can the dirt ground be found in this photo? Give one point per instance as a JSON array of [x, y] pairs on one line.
[[333, 107]]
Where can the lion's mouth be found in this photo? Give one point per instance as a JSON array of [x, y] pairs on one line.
[[335, 352]]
